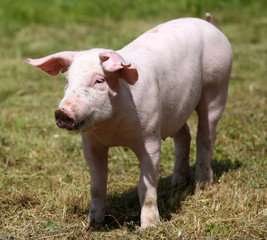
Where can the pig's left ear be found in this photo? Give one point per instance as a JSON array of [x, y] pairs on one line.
[[55, 63], [113, 62]]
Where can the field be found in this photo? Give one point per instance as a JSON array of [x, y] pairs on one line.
[[44, 179]]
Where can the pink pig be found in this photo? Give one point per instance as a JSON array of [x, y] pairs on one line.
[[141, 94]]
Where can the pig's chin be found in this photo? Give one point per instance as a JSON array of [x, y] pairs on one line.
[[83, 126]]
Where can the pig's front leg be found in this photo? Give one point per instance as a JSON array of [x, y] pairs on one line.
[[149, 157], [97, 160]]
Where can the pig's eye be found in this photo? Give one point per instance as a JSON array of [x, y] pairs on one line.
[[99, 81]]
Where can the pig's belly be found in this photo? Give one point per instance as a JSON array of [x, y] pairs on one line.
[[172, 123], [176, 113]]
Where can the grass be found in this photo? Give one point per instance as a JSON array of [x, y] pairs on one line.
[[44, 180]]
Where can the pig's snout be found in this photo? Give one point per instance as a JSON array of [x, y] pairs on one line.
[[64, 119]]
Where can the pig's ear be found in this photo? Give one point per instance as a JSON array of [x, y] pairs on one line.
[[113, 62], [55, 63]]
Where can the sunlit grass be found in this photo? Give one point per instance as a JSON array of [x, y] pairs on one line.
[[44, 179]]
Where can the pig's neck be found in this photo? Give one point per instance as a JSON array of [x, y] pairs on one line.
[[123, 126]]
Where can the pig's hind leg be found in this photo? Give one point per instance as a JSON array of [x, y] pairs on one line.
[[181, 171], [209, 110]]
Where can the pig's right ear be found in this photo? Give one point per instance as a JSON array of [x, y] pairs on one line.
[[55, 63], [112, 62]]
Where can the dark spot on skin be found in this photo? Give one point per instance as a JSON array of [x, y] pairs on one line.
[[149, 203]]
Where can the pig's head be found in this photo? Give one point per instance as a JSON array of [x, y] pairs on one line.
[[94, 84]]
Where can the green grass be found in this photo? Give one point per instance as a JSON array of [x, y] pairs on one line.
[[44, 180]]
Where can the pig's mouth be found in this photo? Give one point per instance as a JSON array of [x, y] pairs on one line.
[[84, 125], [69, 122]]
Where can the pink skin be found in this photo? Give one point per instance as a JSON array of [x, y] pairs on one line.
[[141, 94]]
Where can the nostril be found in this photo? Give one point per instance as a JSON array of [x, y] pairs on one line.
[[58, 120], [64, 119]]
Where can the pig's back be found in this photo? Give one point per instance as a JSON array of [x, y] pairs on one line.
[[171, 60]]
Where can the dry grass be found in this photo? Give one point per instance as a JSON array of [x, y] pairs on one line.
[[44, 180]]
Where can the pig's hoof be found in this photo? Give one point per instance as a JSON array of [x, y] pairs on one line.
[[145, 225], [94, 226], [150, 220], [180, 181], [204, 178]]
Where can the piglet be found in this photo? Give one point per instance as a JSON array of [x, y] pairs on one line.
[[143, 93]]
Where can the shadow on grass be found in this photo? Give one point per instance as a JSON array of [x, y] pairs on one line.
[[124, 209]]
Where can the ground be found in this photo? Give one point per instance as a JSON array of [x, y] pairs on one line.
[[44, 179]]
